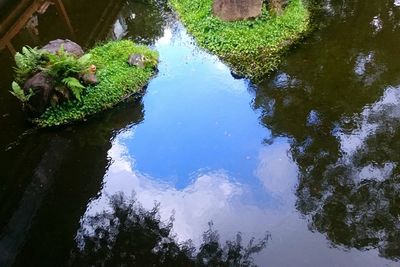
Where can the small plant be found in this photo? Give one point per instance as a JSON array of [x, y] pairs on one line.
[[75, 86], [27, 63], [151, 62], [64, 68], [63, 64], [20, 94]]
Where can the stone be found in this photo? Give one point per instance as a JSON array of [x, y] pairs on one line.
[[137, 60], [43, 87], [70, 47], [277, 6], [232, 10], [89, 79]]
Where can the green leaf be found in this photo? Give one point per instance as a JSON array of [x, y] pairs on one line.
[[27, 62], [75, 86], [20, 94], [15, 86], [85, 59]]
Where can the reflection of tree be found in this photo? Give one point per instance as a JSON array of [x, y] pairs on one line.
[[357, 201], [129, 235], [144, 20], [50, 166], [360, 214], [352, 197]]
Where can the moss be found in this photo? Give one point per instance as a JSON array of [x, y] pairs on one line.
[[117, 81], [252, 47]]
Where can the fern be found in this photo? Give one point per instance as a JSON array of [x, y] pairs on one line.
[[27, 62], [64, 64], [20, 94], [75, 86]]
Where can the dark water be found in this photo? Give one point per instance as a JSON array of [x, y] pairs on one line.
[[310, 156]]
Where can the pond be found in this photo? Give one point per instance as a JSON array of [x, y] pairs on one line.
[[308, 159]]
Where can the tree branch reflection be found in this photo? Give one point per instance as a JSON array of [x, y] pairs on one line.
[[129, 235]]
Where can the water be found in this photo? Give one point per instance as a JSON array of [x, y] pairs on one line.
[[309, 157]]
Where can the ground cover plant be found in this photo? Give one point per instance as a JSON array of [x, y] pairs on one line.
[[252, 48], [117, 80]]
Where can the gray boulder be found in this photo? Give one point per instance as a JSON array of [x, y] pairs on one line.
[[89, 79], [137, 60], [70, 47], [277, 6], [232, 10], [42, 86]]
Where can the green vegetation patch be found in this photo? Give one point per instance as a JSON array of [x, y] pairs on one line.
[[252, 47], [117, 81]]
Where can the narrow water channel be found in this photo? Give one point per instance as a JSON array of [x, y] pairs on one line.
[[309, 158]]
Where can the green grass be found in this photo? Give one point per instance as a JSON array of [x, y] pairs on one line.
[[253, 47], [117, 81]]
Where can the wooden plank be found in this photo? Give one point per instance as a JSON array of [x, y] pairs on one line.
[[23, 19], [11, 48], [13, 15]]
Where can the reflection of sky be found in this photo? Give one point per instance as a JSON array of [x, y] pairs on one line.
[[200, 154], [190, 129], [372, 119]]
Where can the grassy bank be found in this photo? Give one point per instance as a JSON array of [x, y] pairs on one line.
[[117, 80], [252, 48]]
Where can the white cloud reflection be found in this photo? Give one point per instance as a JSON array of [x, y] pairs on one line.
[[277, 171], [211, 196], [214, 196], [371, 120], [166, 38]]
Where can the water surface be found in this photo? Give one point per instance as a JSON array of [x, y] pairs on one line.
[[308, 157]]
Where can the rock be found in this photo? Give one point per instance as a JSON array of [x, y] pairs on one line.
[[236, 75], [89, 79], [137, 60], [277, 6], [43, 87], [231, 10], [70, 47]]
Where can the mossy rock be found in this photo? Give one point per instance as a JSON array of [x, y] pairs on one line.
[[117, 81]]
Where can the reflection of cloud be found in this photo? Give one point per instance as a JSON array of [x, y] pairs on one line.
[[276, 170], [373, 119], [362, 61], [282, 80], [166, 38], [211, 196], [367, 68], [215, 197], [329, 8], [377, 24], [313, 118], [374, 172]]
